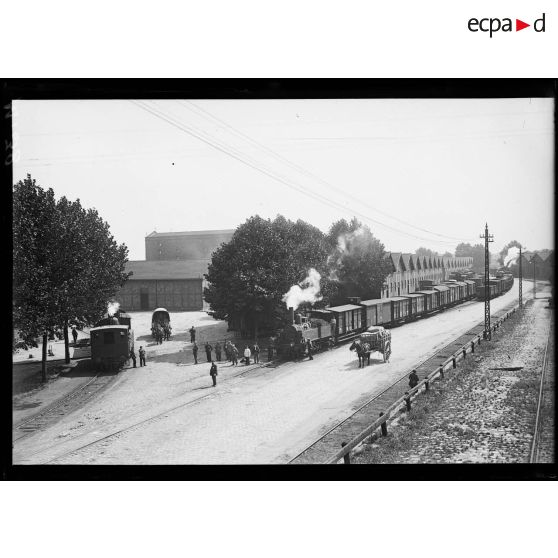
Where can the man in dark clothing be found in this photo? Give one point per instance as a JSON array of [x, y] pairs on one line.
[[256, 351], [234, 355], [213, 373], [218, 351], [195, 353], [192, 334], [74, 334], [142, 356], [269, 352], [309, 349], [413, 379], [208, 349], [133, 356]]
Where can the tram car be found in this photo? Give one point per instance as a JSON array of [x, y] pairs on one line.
[[498, 285], [335, 324], [293, 338], [112, 340], [160, 317]]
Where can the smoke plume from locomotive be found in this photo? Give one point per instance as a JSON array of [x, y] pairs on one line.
[[307, 291], [112, 308], [512, 256], [347, 243]]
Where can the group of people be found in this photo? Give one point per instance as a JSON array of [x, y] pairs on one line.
[[161, 332], [231, 352], [141, 355]]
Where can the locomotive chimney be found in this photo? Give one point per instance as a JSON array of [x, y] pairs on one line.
[[291, 315]]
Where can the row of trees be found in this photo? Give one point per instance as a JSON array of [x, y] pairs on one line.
[[249, 275], [67, 265]]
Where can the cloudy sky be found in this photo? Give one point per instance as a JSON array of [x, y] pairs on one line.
[[418, 172]]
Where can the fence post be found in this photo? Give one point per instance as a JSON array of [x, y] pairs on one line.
[[479, 340], [426, 386], [407, 401], [464, 353], [454, 362], [472, 346], [384, 426], [346, 457], [441, 372]]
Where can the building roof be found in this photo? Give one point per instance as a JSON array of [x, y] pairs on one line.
[[396, 260], [408, 261], [167, 269], [191, 233]]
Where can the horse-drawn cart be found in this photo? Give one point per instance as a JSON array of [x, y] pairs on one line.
[[375, 338], [160, 325]]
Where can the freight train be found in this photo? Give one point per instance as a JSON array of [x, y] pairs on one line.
[[335, 324], [112, 341]]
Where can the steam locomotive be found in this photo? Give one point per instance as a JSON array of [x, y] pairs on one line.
[[335, 324], [112, 340]]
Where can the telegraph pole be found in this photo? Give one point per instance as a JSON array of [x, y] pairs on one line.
[[520, 281], [534, 277], [487, 238]]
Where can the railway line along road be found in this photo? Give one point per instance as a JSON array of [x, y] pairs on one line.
[[168, 412]]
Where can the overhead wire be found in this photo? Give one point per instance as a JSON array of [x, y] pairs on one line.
[[245, 159], [308, 173]]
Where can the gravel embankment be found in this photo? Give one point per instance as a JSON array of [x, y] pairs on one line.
[[480, 413]]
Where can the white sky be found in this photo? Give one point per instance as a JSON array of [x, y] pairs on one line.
[[443, 166]]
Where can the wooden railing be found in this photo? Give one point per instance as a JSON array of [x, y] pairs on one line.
[[406, 401]]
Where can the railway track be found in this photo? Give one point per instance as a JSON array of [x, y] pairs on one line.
[[64, 406], [330, 442], [129, 428], [545, 393]]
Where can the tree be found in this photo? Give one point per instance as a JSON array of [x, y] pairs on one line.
[[426, 252], [358, 260], [34, 230], [90, 267], [248, 276], [66, 264], [464, 250]]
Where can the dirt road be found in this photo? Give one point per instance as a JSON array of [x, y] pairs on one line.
[[264, 416]]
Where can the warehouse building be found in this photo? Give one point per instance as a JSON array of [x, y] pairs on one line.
[[172, 274], [408, 270]]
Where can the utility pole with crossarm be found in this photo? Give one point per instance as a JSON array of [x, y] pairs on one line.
[[487, 238], [520, 281]]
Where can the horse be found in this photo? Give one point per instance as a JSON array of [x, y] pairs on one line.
[[363, 351]]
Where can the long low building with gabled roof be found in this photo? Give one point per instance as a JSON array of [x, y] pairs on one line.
[[408, 270]]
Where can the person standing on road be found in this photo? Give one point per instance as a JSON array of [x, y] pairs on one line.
[[247, 355], [192, 334], [256, 352], [142, 356], [213, 373], [133, 356], [269, 352], [208, 349], [218, 351], [195, 353], [74, 334], [413, 379], [234, 354], [309, 349], [228, 350]]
